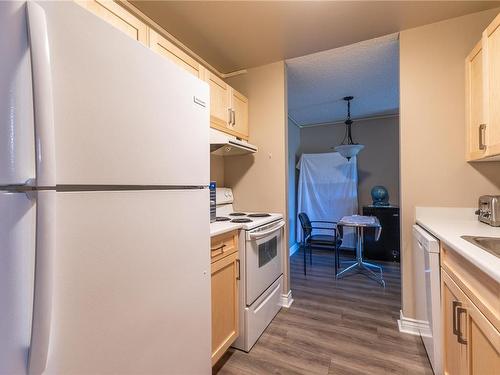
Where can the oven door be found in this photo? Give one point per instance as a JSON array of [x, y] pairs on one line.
[[263, 258]]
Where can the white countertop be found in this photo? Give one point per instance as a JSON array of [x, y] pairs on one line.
[[448, 224], [220, 227]]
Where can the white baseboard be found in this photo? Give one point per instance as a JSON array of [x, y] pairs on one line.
[[286, 299], [411, 326], [294, 248]]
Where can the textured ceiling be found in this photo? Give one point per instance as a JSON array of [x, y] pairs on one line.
[[368, 70], [233, 35]]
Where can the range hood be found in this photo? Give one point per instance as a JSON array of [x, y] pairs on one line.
[[227, 145]]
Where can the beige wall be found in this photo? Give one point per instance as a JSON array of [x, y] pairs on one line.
[[378, 163], [432, 127], [259, 180], [217, 169]]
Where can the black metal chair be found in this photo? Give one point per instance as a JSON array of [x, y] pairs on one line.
[[310, 240]]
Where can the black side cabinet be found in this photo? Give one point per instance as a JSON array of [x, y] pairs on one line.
[[387, 247]]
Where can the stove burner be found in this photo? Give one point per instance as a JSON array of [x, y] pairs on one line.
[[259, 215], [222, 218], [237, 214], [244, 220]]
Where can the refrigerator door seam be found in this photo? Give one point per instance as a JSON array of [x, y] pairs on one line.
[[127, 187]]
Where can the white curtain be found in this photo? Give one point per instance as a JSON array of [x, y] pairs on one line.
[[328, 190]]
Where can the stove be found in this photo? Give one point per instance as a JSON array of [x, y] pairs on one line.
[[225, 208], [261, 245], [243, 220], [259, 215]]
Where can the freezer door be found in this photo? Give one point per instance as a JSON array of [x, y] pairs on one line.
[[17, 154], [123, 114], [131, 283], [17, 258]]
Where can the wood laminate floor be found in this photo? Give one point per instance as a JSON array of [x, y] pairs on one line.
[[346, 326]]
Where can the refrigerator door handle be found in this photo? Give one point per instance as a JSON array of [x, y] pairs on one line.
[[42, 95], [44, 258]]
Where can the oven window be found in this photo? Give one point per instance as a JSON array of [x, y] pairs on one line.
[[268, 251]]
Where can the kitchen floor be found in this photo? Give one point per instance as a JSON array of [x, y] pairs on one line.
[[346, 326]]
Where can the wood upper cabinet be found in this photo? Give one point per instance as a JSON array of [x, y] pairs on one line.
[[239, 106], [491, 45], [482, 83], [228, 108], [220, 95], [474, 102], [225, 285], [164, 47], [119, 17]]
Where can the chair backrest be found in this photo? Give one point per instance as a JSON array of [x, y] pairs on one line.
[[305, 223]]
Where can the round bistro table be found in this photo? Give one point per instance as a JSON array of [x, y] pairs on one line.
[[371, 270]]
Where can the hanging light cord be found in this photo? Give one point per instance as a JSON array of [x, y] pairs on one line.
[[348, 122]]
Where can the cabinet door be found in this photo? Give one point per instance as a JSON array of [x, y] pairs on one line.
[[225, 310], [239, 104], [166, 48], [472, 343], [219, 102], [474, 105], [119, 17], [455, 353], [491, 45], [483, 342]]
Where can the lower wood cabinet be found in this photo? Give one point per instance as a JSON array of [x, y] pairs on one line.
[[225, 284], [471, 339]]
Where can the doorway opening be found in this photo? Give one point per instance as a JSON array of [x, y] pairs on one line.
[[325, 186]]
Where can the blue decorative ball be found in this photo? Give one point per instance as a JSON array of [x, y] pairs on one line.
[[380, 196]]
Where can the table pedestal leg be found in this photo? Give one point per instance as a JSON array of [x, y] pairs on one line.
[[360, 265]]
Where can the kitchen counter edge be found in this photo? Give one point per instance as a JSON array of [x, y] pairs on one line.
[[223, 227], [449, 224]]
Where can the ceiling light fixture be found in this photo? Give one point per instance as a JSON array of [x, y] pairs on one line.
[[348, 148]]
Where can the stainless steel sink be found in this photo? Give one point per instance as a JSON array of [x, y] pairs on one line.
[[490, 244]]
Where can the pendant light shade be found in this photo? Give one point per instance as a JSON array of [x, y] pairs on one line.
[[348, 148], [348, 151]]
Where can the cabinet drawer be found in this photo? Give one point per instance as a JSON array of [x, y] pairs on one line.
[[223, 245], [480, 288]]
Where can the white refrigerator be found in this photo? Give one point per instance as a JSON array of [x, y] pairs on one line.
[[104, 206]]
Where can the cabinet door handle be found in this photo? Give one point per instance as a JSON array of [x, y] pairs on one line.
[[230, 116], [239, 269], [456, 329], [221, 247], [482, 131], [460, 338]]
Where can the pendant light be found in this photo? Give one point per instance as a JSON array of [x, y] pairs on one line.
[[348, 148]]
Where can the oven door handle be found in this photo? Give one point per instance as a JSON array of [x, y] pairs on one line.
[[259, 234]]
